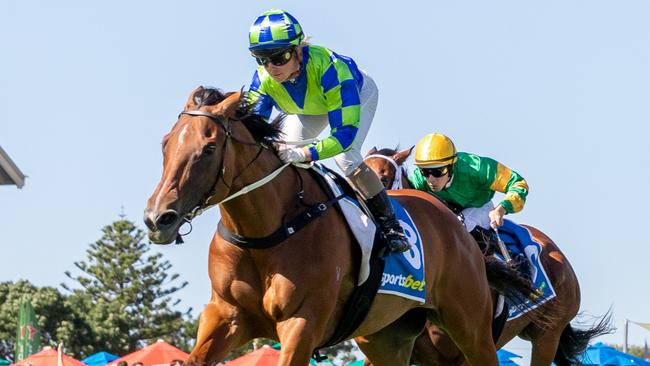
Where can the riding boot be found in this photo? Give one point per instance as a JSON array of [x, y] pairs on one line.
[[382, 210], [373, 193]]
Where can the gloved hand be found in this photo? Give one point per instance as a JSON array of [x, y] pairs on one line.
[[496, 216], [292, 155]]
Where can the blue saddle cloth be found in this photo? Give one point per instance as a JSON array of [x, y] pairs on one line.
[[403, 273], [519, 242]]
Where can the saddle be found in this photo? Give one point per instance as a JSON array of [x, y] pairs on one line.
[[398, 274]]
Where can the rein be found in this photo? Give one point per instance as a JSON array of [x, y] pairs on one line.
[[397, 181], [205, 204]]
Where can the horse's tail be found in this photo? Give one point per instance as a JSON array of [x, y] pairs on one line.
[[574, 342], [507, 281]]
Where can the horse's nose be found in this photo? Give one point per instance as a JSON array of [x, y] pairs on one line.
[[150, 219], [161, 221]]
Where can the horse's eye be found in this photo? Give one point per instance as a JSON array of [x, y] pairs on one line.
[[209, 149]]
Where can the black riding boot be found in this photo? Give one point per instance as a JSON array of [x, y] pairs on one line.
[[382, 209]]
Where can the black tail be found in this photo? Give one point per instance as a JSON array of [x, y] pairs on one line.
[[508, 282], [574, 342]]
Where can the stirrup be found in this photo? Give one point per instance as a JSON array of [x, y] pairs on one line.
[[397, 242]]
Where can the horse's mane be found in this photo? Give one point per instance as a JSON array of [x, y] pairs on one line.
[[262, 131]]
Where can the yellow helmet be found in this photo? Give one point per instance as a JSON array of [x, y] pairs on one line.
[[435, 150]]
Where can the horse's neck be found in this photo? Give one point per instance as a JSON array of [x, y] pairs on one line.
[[261, 211]]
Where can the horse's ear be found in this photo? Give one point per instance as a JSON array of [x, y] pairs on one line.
[[372, 151], [401, 156], [189, 105], [228, 106]]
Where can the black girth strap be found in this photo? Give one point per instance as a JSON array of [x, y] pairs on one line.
[[361, 299], [283, 232]]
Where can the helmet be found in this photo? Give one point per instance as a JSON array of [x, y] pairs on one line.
[[435, 150], [274, 29]]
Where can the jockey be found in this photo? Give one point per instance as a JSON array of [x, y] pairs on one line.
[[467, 183], [316, 87]]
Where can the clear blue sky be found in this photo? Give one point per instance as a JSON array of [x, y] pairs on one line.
[[557, 90]]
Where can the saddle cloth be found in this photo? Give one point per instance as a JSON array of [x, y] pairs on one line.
[[519, 241], [403, 272]]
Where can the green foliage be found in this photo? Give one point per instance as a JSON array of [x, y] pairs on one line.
[[54, 314], [638, 351], [124, 295]]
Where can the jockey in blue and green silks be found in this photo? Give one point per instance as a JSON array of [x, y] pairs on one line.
[[317, 87]]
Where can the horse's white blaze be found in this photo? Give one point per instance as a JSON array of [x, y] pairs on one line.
[[159, 196], [181, 137]]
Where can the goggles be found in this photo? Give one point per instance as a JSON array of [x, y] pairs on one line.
[[278, 58], [435, 172]]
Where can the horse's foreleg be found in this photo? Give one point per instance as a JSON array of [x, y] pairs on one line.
[[544, 348], [298, 338], [385, 349], [466, 316], [219, 333], [434, 348], [392, 346]]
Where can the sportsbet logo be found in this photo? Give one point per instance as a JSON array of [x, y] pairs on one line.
[[399, 280]]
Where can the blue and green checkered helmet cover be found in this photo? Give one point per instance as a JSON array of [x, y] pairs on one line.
[[274, 29]]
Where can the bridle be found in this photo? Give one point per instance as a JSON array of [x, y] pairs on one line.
[[206, 202], [397, 179], [312, 211]]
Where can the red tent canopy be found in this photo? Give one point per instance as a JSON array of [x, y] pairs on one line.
[[48, 357], [158, 353], [265, 356]]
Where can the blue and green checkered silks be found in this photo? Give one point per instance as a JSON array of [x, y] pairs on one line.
[[274, 29], [329, 84]]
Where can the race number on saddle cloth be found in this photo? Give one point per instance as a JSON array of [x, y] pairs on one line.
[[403, 272], [519, 241]]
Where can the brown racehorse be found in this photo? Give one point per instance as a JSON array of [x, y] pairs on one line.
[[295, 292], [556, 341]]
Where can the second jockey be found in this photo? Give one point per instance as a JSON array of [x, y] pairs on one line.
[[467, 183], [317, 88]]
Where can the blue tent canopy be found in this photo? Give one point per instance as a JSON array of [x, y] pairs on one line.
[[505, 357], [600, 354], [99, 359]]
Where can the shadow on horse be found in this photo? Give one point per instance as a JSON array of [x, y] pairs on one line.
[[553, 340], [296, 291]]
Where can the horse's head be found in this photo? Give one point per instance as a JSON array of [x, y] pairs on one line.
[[386, 163], [195, 162]]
